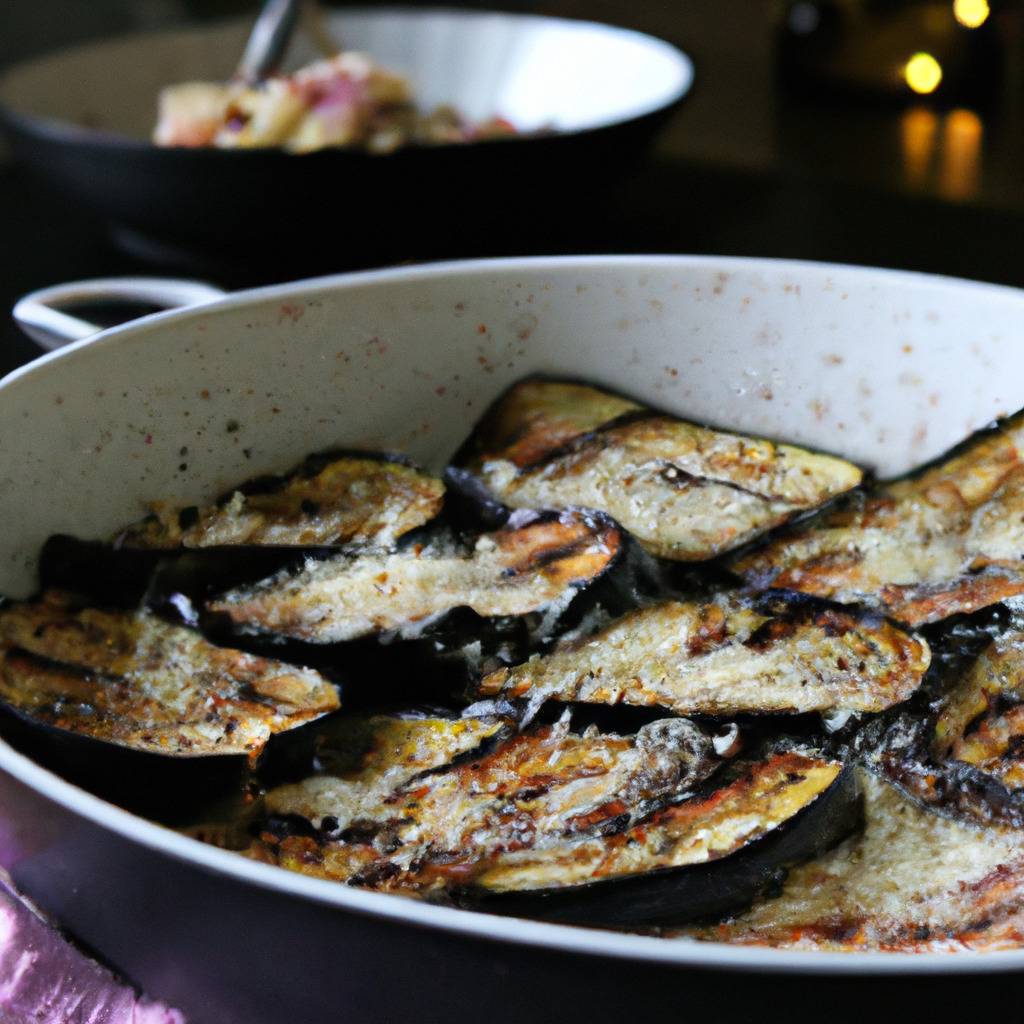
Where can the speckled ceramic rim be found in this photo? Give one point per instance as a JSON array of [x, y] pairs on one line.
[[485, 926]]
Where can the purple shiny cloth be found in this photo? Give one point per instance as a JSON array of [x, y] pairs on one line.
[[45, 980]]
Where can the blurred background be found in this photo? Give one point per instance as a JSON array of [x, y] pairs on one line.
[[883, 132]]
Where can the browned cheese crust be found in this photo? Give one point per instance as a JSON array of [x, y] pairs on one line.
[[130, 679], [947, 541], [509, 572], [350, 500], [534, 792], [726, 657], [911, 882], [549, 810], [686, 492]]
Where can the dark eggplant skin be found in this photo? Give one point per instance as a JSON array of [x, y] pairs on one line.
[[698, 892], [126, 577], [172, 791], [460, 643]]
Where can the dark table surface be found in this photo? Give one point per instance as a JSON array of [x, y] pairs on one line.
[[743, 168]]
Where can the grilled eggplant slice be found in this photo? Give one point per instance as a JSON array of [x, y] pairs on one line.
[[585, 827], [331, 499], [981, 722], [358, 761], [960, 754], [129, 679], [686, 492], [727, 656], [537, 564], [532, 790], [910, 882], [693, 860], [947, 541], [362, 759]]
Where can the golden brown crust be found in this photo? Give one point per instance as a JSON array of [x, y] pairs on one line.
[[350, 500], [726, 657], [948, 541], [130, 679], [516, 839], [513, 571], [685, 491], [912, 882]]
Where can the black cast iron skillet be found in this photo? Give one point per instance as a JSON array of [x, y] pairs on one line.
[[594, 95]]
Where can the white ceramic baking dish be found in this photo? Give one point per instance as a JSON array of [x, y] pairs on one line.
[[887, 368]]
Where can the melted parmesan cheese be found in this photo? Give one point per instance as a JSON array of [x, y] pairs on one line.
[[722, 658], [351, 500], [382, 753], [511, 572], [948, 541], [134, 680], [912, 880]]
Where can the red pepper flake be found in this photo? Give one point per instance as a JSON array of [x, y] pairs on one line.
[[149, 439], [205, 393], [440, 390], [481, 328], [291, 312]]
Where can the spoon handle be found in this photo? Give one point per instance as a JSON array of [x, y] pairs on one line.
[[268, 40]]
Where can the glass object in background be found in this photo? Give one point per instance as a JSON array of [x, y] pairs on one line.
[[898, 50]]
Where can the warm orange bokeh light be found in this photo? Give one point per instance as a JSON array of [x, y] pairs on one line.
[[923, 73], [971, 13], [960, 168]]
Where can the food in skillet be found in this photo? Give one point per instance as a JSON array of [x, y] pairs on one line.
[[337, 498], [347, 100], [727, 656], [911, 881], [945, 541], [686, 492], [642, 816], [554, 823], [538, 564], [130, 679]]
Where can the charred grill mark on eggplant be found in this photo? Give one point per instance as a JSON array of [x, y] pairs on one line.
[[949, 540], [697, 859], [909, 882], [532, 790], [601, 829], [727, 656], [957, 751], [129, 679], [981, 722], [686, 492], [512, 572], [362, 759], [331, 499]]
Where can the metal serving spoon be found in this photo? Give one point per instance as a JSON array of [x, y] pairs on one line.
[[272, 34]]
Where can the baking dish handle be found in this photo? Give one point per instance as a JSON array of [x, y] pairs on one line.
[[39, 316]]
